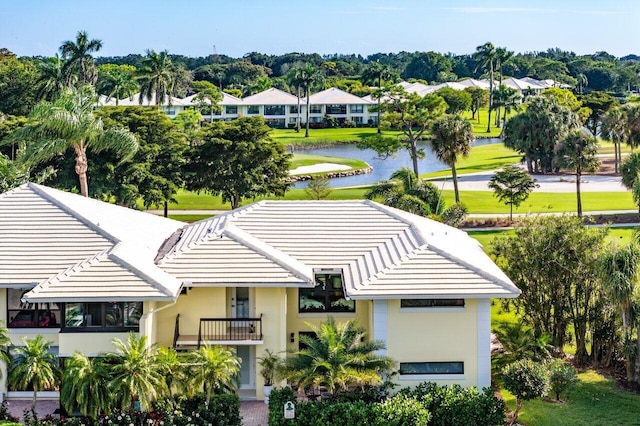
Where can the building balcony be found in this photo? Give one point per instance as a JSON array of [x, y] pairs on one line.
[[220, 331]]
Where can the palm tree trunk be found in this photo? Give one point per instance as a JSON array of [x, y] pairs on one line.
[[454, 174], [35, 400], [81, 170], [414, 155], [306, 133], [166, 208], [298, 118], [379, 84], [490, 97], [579, 200]]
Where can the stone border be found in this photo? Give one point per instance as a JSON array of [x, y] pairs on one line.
[[331, 175]]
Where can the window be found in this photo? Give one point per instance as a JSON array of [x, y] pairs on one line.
[[30, 315], [357, 109], [432, 303], [336, 109], [315, 109], [253, 109], [326, 296], [431, 368], [231, 109], [357, 119], [109, 316], [275, 122], [293, 109], [274, 110]]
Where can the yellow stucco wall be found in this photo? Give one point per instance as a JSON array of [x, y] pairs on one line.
[[297, 322], [90, 344], [431, 336]]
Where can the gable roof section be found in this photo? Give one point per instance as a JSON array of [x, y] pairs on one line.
[[383, 252], [45, 232], [271, 96], [335, 96], [227, 99]]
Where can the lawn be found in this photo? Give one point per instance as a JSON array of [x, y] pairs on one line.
[[482, 158], [595, 401]]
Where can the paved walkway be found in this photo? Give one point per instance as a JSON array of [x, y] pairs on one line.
[[253, 413]]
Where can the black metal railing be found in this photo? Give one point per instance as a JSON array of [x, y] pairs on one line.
[[229, 329]]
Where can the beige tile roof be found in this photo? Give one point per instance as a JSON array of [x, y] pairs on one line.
[[383, 252], [335, 96], [227, 99], [45, 232], [271, 96]]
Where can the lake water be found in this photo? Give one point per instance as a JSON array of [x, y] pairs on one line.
[[382, 168]]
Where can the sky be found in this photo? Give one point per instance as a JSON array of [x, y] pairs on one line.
[[236, 27]]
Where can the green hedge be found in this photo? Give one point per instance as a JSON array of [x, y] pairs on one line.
[[428, 403]]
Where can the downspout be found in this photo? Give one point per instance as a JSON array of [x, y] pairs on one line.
[[161, 308]]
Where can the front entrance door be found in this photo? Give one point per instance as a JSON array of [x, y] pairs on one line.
[[246, 354], [239, 302]]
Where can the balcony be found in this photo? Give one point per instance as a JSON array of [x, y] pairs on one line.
[[220, 331]]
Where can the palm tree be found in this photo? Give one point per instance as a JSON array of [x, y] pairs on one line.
[[309, 76], [136, 376], [52, 80], [156, 77], [337, 357], [117, 83], [619, 268], [486, 57], [261, 84], [295, 78], [171, 364], [406, 192], [379, 72], [68, 122], [33, 365], [614, 128], [213, 368], [578, 152], [452, 137], [78, 59], [630, 170], [582, 81], [85, 386], [502, 57]]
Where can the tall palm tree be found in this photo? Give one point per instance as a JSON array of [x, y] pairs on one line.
[[338, 356], [502, 57], [379, 72], [156, 77], [582, 81], [578, 152], [406, 192], [486, 57], [135, 374], [452, 137], [117, 83], [52, 80], [85, 386], [213, 368], [309, 76], [630, 170], [614, 128], [295, 76], [172, 366], [33, 365], [68, 122], [78, 59]]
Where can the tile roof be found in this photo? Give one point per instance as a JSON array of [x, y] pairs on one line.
[[335, 96], [271, 96], [383, 252]]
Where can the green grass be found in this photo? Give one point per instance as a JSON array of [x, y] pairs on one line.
[[325, 136], [480, 127], [482, 158], [300, 160], [595, 401], [189, 218]]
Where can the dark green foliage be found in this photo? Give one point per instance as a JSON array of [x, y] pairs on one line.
[[454, 215], [401, 410], [457, 406], [562, 376], [526, 379], [512, 186], [458, 101]]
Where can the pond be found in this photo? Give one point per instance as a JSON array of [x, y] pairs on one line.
[[382, 168]]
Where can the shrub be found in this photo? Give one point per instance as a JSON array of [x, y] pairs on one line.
[[454, 405], [454, 215], [401, 410], [526, 380], [562, 376]]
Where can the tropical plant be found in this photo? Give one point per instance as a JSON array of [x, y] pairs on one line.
[[156, 77], [512, 185], [379, 72], [562, 376], [582, 82], [401, 410], [406, 192], [336, 357], [52, 81], [630, 170], [614, 128], [117, 81], [261, 84], [520, 342], [213, 369], [85, 386], [455, 214], [295, 77], [173, 368], [486, 58], [318, 188], [479, 98], [309, 75], [78, 62], [452, 137], [526, 380], [33, 366], [69, 122], [135, 374], [578, 153], [270, 364]]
